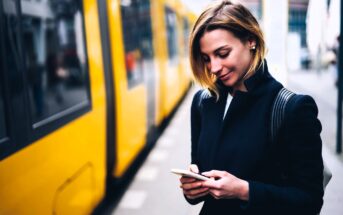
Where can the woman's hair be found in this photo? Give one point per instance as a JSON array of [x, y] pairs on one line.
[[232, 17]]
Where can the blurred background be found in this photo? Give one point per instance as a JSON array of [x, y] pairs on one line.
[[95, 99]]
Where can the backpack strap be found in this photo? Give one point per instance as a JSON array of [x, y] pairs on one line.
[[277, 118], [278, 111]]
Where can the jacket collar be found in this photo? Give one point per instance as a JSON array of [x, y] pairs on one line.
[[261, 74], [251, 83]]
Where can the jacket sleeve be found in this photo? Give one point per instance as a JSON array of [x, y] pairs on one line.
[[303, 193], [195, 133], [195, 126]]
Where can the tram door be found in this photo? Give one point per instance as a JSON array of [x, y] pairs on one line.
[[131, 56]]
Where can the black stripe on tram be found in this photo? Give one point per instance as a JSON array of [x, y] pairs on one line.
[[110, 101]]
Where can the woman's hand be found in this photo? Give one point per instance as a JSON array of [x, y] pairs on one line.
[[192, 187], [226, 185]]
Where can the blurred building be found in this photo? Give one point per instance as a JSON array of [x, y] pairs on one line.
[[297, 19], [323, 28], [255, 6]]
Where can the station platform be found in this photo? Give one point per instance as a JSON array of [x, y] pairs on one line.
[[155, 190]]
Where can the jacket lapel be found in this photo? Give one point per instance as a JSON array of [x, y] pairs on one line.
[[238, 104]]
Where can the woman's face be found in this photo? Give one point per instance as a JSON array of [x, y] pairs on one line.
[[226, 57]]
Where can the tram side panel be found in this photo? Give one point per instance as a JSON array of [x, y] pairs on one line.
[[130, 91], [147, 71], [61, 169], [177, 80], [161, 57], [65, 163], [171, 77], [184, 80], [166, 40], [185, 32]]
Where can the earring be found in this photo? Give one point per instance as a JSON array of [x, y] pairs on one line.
[[253, 47]]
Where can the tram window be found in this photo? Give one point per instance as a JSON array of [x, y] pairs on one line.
[[11, 36], [145, 28], [136, 23], [55, 58], [10, 54], [171, 24], [2, 115], [186, 35]]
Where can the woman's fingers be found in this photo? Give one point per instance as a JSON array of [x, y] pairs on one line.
[[191, 186], [215, 193], [215, 184], [187, 180], [226, 186], [194, 168], [212, 184], [196, 193], [215, 174]]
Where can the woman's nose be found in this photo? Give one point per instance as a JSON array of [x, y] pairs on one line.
[[216, 66]]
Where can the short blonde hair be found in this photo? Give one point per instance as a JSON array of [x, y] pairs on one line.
[[232, 17]]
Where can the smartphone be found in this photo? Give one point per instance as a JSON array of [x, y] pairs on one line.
[[187, 173]]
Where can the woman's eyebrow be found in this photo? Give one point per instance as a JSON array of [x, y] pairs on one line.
[[221, 47], [218, 49]]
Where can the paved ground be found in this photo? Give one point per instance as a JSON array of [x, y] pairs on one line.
[[155, 190]]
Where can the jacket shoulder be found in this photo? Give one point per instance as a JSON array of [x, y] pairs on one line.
[[301, 104], [200, 96]]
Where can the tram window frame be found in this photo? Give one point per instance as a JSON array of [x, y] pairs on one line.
[[3, 118], [3, 123], [20, 135], [11, 142], [186, 34], [55, 121], [5, 140], [173, 49]]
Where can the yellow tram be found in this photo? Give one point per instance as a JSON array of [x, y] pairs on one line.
[[84, 87]]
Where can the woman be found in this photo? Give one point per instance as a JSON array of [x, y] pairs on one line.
[[230, 121]]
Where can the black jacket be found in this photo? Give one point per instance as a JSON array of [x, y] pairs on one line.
[[285, 177]]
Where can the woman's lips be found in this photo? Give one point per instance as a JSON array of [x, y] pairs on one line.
[[225, 76]]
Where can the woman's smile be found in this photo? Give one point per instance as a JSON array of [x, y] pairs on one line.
[[225, 76]]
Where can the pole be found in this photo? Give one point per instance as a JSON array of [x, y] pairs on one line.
[[340, 88]]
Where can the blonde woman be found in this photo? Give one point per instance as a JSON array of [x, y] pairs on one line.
[[230, 125]]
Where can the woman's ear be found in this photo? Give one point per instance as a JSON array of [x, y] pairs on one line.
[[252, 43]]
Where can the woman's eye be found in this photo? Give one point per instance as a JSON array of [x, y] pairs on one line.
[[223, 55]]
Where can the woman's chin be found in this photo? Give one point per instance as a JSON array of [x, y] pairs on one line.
[[228, 83]]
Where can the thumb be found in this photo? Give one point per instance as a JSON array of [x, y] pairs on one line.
[[194, 168], [214, 174]]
